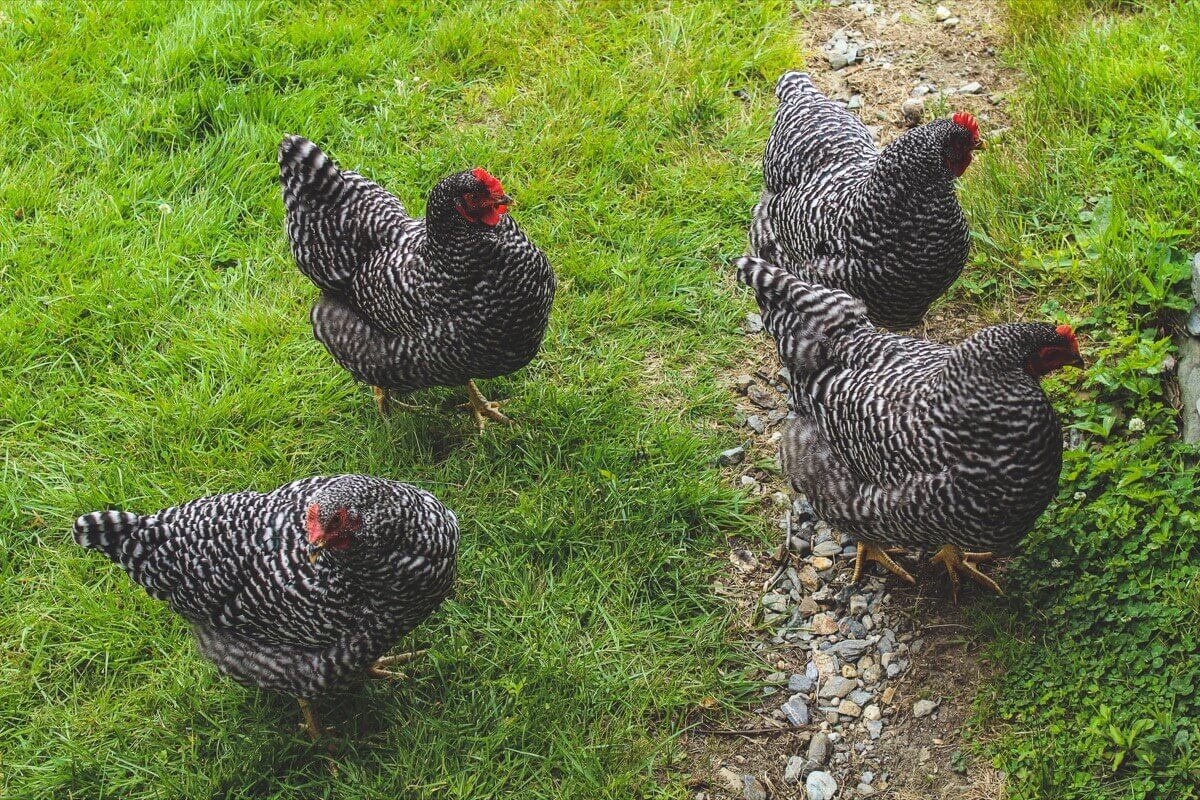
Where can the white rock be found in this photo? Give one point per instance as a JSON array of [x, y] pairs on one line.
[[923, 708], [820, 786], [970, 88], [872, 712], [941, 14]]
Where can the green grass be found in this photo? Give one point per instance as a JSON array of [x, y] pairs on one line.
[[1090, 213], [155, 345]]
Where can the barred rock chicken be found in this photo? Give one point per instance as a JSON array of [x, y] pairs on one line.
[[299, 590], [882, 225], [412, 303], [904, 442]]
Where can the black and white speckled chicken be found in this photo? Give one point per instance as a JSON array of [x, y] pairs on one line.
[[300, 590], [906, 443], [883, 225], [411, 303]]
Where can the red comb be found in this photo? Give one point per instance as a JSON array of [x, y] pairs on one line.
[[1067, 332], [967, 121], [490, 183]]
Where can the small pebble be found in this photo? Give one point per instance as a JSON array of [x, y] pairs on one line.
[[913, 110], [752, 788], [941, 14], [820, 786], [794, 770], [819, 747], [734, 455], [923, 708]]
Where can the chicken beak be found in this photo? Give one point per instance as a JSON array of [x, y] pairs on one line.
[[318, 547], [981, 144], [503, 200], [1077, 361]]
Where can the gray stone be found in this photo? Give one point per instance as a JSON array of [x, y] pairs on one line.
[[820, 786], [795, 770], [850, 649], [776, 678], [838, 687], [861, 696], [852, 628], [819, 747], [875, 728], [755, 423], [761, 397], [828, 549], [858, 604], [775, 602], [865, 790], [796, 711], [734, 455], [970, 88], [923, 708], [893, 670], [753, 323], [801, 683], [752, 788]]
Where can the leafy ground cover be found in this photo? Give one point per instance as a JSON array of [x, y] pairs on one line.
[[1090, 214]]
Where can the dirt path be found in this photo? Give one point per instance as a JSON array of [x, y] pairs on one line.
[[864, 688]]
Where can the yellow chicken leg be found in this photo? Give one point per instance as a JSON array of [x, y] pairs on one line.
[[869, 552], [959, 563], [482, 408], [380, 668]]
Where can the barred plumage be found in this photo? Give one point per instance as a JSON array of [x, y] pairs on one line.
[[882, 225], [411, 303], [905, 442], [240, 569]]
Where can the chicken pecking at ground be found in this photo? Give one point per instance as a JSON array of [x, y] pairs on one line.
[[883, 225], [410, 303], [906, 443], [299, 590]]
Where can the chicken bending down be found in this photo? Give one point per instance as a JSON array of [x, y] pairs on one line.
[[906, 443], [882, 225], [411, 303], [300, 590]]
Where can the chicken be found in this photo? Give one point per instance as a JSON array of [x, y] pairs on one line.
[[299, 590], [411, 303], [907, 443], [883, 225]]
